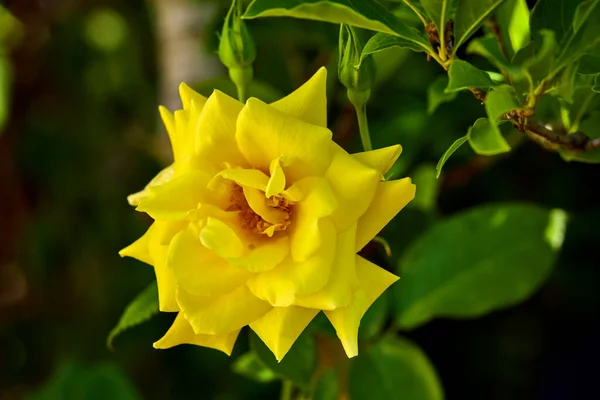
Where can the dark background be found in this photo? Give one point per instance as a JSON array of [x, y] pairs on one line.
[[83, 133]]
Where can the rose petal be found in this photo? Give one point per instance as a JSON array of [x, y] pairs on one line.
[[380, 159]]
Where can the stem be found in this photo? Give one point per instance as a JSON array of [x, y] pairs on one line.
[[287, 388], [241, 92], [363, 127]]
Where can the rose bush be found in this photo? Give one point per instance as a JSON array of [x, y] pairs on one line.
[[259, 219]]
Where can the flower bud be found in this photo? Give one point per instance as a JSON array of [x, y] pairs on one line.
[[237, 49], [355, 75]]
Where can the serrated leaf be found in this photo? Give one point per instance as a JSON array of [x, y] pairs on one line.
[[457, 143], [250, 366], [367, 14], [143, 307], [393, 368], [436, 94], [463, 75], [486, 139], [513, 21], [383, 41], [498, 102], [478, 261], [298, 365], [470, 15]]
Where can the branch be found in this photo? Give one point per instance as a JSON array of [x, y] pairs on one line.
[[577, 141]]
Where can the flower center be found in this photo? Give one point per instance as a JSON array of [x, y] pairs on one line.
[[278, 209]]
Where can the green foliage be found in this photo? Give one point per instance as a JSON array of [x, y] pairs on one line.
[[457, 143], [478, 261], [143, 307], [250, 366], [365, 14], [463, 75], [486, 139], [383, 41], [436, 94], [513, 21], [327, 387], [73, 381], [424, 176], [393, 368], [298, 365], [470, 16], [499, 102]]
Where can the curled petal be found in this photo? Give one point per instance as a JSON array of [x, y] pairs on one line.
[[264, 133], [380, 159], [318, 202], [199, 270], [282, 285], [181, 332], [174, 199], [162, 177], [258, 203], [280, 327], [390, 197], [342, 281], [265, 256], [354, 185], [276, 183], [374, 281], [223, 314], [220, 238], [252, 178], [309, 101]]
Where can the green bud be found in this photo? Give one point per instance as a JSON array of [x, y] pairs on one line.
[[237, 49], [358, 79]]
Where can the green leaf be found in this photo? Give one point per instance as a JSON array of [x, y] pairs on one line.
[[513, 19], [376, 316], [457, 143], [591, 127], [425, 179], [470, 16], [141, 309], [75, 381], [486, 139], [298, 365], [538, 59], [589, 65], [5, 83], [478, 261], [488, 48], [463, 75], [441, 11], [566, 85], [584, 34], [555, 15], [250, 366], [383, 41], [327, 387], [436, 94], [498, 102], [367, 14], [393, 368]]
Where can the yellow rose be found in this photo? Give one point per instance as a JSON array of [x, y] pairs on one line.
[[259, 219]]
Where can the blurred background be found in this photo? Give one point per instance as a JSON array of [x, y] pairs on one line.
[[80, 82]]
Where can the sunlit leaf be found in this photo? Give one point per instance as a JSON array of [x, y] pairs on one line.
[[367, 14], [486, 139], [481, 260], [383, 41], [463, 75], [513, 20], [498, 102], [393, 368]]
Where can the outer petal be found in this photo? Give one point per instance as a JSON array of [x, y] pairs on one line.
[[181, 332], [174, 199], [224, 314], [215, 130], [318, 202], [201, 271], [162, 177], [380, 159], [169, 122], [140, 249], [188, 94], [280, 327], [264, 133], [354, 185], [309, 101], [374, 281], [342, 281], [166, 280], [290, 279], [390, 197]]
